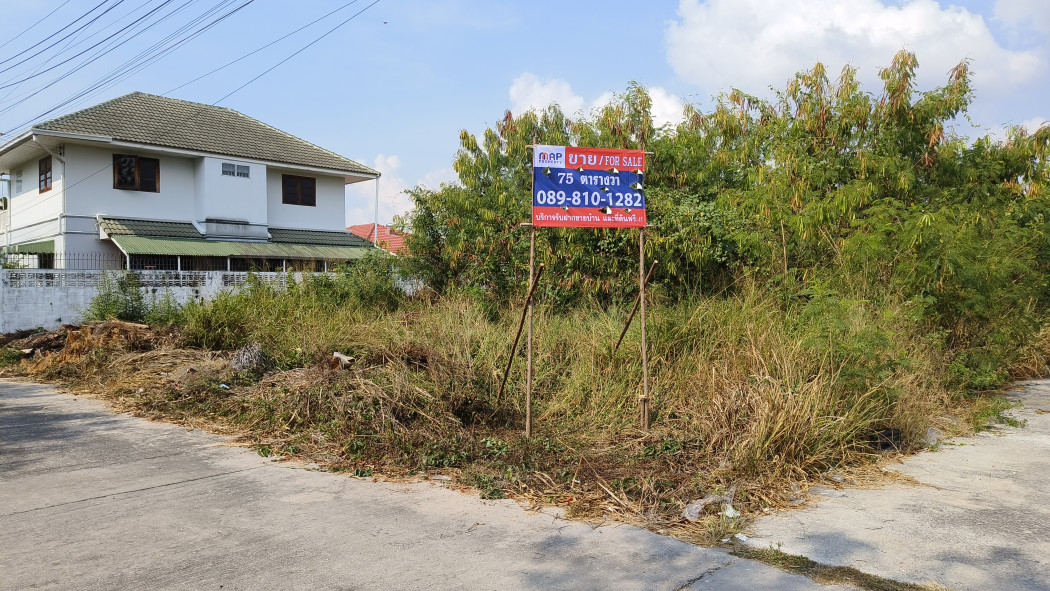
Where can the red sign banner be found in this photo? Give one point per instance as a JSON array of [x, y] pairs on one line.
[[588, 187]]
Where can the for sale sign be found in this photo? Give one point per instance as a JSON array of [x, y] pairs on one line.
[[588, 187]]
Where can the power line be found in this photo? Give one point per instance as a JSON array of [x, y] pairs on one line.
[[160, 136], [251, 53], [89, 23], [47, 61], [118, 75], [23, 98], [304, 48], [42, 19], [30, 94], [201, 110], [130, 68], [67, 60]]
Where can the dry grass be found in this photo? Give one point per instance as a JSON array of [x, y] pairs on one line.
[[744, 399], [1034, 359]]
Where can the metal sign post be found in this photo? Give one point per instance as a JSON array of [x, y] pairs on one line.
[[643, 400], [575, 187], [528, 375]]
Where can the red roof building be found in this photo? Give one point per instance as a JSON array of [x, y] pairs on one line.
[[389, 239]]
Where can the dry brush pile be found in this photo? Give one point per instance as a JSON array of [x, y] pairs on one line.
[[746, 401]]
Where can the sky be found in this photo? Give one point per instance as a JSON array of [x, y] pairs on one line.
[[392, 83]]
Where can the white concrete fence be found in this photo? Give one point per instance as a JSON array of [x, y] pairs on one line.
[[48, 298]]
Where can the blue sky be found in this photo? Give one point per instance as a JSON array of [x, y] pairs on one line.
[[393, 87]]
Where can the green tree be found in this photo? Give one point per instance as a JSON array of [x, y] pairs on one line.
[[825, 188]]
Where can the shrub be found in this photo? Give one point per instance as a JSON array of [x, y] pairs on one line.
[[372, 282], [119, 296]]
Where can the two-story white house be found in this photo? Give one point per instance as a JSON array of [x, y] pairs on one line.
[[155, 182]]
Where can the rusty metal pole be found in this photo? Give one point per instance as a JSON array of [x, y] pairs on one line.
[[530, 303], [517, 336], [644, 400], [634, 310]]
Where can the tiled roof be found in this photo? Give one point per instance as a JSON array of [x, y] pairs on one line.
[[123, 227], [318, 237], [389, 239], [161, 121]]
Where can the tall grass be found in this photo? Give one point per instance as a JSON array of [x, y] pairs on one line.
[[747, 390], [750, 391]]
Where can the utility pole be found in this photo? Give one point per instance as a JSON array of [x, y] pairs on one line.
[[375, 228]]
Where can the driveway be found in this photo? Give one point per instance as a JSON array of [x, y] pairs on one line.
[[978, 519], [90, 499]]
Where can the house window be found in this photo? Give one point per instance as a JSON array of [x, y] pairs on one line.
[[136, 173], [238, 170], [45, 174], [298, 190]]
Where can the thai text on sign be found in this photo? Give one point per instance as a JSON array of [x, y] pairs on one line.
[[588, 187]]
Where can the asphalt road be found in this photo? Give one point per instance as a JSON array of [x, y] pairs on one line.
[[95, 500], [978, 519]]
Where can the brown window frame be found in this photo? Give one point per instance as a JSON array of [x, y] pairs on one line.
[[299, 198], [136, 175], [46, 174]]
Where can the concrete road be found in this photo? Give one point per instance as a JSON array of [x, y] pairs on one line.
[[980, 518], [94, 500]]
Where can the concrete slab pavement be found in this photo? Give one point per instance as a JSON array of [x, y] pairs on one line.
[[978, 520], [94, 500]]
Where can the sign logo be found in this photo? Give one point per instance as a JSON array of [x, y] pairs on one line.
[[548, 156]]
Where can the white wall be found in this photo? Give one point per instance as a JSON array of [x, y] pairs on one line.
[[89, 172], [41, 303], [33, 215], [74, 244], [328, 214], [230, 197], [31, 298]]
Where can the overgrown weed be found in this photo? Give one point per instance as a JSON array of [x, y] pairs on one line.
[[746, 394]]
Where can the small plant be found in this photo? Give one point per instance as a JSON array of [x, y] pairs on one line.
[[994, 411], [164, 311], [489, 486], [9, 357], [119, 296], [495, 447], [7, 262], [667, 447]]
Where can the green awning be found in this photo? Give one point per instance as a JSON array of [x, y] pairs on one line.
[[43, 247], [158, 246]]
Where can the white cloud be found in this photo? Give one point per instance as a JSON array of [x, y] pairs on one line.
[[667, 108], [1001, 132], [1024, 13], [1033, 124], [755, 44], [530, 92], [435, 178], [603, 99], [361, 197]]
